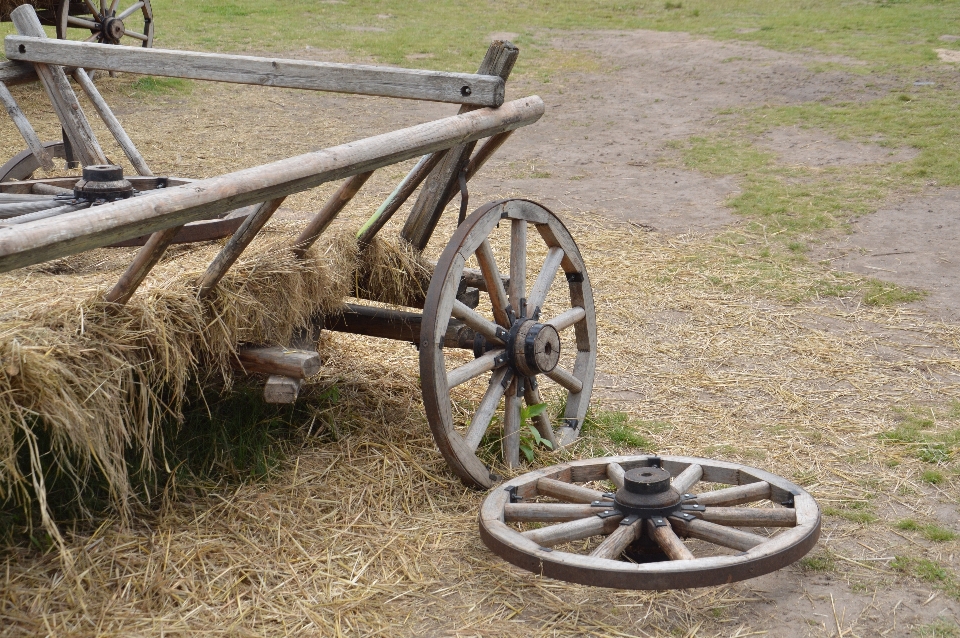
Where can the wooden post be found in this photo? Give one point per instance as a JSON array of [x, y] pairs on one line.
[[62, 97], [499, 60], [236, 245], [328, 213], [281, 390], [26, 130]]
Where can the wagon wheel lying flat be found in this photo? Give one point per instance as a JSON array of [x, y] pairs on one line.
[[519, 336], [631, 539], [107, 21]]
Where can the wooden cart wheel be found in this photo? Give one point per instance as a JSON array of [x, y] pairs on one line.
[[24, 164], [632, 539], [546, 334], [107, 21]]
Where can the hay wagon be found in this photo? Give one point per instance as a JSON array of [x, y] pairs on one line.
[[506, 308]]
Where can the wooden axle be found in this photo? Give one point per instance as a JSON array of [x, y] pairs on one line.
[[416, 84], [394, 324]]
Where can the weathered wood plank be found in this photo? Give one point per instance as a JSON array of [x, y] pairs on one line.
[[417, 84], [296, 364], [281, 390], [14, 73], [72, 233]]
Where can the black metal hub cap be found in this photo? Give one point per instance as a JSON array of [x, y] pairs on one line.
[[102, 183], [646, 493]]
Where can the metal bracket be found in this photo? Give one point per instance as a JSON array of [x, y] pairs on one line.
[[687, 496], [599, 504], [511, 314], [693, 507], [654, 461], [502, 334], [610, 495], [659, 521], [546, 549], [572, 423], [512, 491], [789, 502], [630, 520], [575, 277], [608, 513], [506, 379], [685, 516], [536, 313]]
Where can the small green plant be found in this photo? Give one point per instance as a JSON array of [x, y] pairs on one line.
[[672, 5], [155, 86], [930, 531], [940, 628], [881, 293], [930, 572], [908, 524], [855, 512], [529, 435], [819, 563], [932, 477]]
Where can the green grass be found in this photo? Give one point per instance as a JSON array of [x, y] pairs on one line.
[[940, 628], [819, 563], [149, 85], [856, 512], [929, 572], [927, 436], [930, 531]]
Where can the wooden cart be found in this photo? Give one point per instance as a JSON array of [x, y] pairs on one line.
[[106, 21], [514, 345]]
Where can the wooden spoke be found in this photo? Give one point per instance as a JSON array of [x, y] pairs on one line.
[[551, 264], [668, 541], [93, 9], [738, 495], [573, 530], [751, 517], [567, 318], [617, 561], [475, 321], [473, 369], [498, 229], [113, 7], [566, 379], [615, 473], [129, 11], [567, 491], [542, 421], [687, 479], [717, 534], [138, 36], [614, 544], [518, 262], [81, 22], [547, 512], [488, 405], [92, 38], [511, 426], [491, 275]]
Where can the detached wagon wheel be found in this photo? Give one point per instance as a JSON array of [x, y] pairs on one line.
[[524, 337], [107, 21], [631, 539]]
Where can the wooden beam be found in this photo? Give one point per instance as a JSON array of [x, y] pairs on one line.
[[68, 234], [419, 227], [398, 325], [57, 86], [281, 390], [416, 84], [14, 73], [297, 364]]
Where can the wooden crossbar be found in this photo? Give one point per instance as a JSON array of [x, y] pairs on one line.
[[36, 242], [436, 86]]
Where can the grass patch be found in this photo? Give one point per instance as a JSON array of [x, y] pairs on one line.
[[940, 628], [882, 293], [819, 563], [149, 85], [929, 572], [918, 433], [857, 512], [931, 532]]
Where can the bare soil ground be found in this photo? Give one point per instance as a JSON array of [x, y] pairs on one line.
[[368, 534]]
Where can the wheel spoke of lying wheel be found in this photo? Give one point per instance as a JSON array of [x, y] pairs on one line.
[[668, 540], [751, 516], [473, 369], [518, 262], [547, 512], [488, 405], [736, 495], [567, 491], [81, 22], [93, 9], [491, 275], [541, 421], [128, 12], [566, 379], [686, 479], [717, 534], [573, 530], [551, 264], [475, 321], [568, 318], [138, 36], [614, 544], [615, 473]]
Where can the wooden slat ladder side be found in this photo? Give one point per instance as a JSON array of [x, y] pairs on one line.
[[398, 197], [499, 60], [475, 164], [26, 129], [236, 245], [328, 213], [64, 100]]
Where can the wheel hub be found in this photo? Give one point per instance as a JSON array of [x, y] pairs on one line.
[[534, 347], [103, 183], [647, 492], [113, 29]]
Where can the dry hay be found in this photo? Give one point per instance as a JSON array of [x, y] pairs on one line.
[[365, 531], [98, 381]]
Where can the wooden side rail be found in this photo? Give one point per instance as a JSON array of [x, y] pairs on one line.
[[39, 241], [416, 84]]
